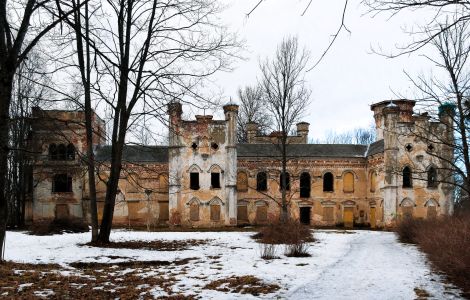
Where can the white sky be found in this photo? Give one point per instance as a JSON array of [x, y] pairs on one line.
[[350, 77]]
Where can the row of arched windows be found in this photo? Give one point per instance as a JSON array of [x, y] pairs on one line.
[[305, 182], [431, 180], [61, 152]]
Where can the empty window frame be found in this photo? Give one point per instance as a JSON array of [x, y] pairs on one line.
[[284, 184], [328, 182], [194, 181], [70, 152], [432, 177], [407, 180], [305, 185], [53, 152], [262, 181], [215, 180], [242, 212], [373, 181], [61, 152], [62, 183]]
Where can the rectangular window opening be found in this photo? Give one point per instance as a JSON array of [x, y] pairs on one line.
[[194, 181], [215, 180]]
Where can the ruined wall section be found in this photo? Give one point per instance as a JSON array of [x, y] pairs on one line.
[[326, 207], [56, 129], [202, 147], [254, 137]]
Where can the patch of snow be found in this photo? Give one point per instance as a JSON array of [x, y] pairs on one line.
[[359, 264]]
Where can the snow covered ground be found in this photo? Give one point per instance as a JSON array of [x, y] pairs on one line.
[[352, 264]]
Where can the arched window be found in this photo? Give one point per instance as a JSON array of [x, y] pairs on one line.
[[287, 181], [61, 152], [261, 212], [52, 152], [328, 182], [407, 182], [348, 182], [62, 183], [373, 181], [432, 177], [194, 209], [431, 207], [70, 152], [242, 181], [262, 181], [305, 185], [407, 207]]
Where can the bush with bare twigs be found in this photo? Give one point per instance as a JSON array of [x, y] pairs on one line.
[[446, 241], [292, 234]]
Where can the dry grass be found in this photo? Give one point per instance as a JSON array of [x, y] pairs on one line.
[[446, 241], [242, 284], [159, 245], [104, 281], [58, 227]]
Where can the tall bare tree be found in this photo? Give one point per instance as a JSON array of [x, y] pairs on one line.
[[445, 100], [153, 52], [286, 96], [433, 26], [251, 110], [22, 25]]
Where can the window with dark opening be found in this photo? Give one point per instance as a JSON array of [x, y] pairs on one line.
[[407, 183], [305, 185], [194, 146], [194, 181], [432, 177], [409, 147], [430, 148], [262, 181], [61, 152], [215, 180], [286, 183], [214, 146], [62, 183], [70, 152], [52, 152], [328, 181]]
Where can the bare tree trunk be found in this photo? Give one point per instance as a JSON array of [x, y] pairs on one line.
[[6, 85], [83, 54]]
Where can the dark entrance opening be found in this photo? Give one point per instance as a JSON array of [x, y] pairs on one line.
[[305, 215]]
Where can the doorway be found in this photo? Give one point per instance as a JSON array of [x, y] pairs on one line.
[[305, 215], [372, 218], [348, 217]]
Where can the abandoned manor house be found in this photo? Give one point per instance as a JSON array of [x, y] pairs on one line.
[[204, 178]]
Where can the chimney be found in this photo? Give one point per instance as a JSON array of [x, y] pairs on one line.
[[302, 131], [251, 131]]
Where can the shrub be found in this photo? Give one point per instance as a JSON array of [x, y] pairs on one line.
[[292, 234], [446, 241], [58, 226], [268, 251]]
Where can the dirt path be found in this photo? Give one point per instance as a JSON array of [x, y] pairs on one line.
[[376, 266]]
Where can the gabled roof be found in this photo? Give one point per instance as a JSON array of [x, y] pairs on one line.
[[302, 150], [159, 154]]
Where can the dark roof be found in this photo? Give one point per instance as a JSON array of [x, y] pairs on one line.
[[302, 150], [375, 147], [136, 153]]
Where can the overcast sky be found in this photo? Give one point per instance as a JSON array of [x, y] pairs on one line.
[[350, 77]]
